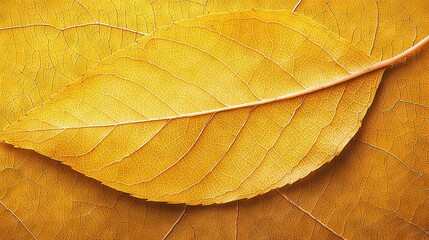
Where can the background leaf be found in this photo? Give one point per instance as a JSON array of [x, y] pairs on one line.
[[271, 215]]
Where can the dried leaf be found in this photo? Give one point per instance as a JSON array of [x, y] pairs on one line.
[[239, 103]]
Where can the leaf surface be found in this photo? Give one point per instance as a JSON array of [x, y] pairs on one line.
[[389, 162], [84, 32], [399, 24], [209, 110], [32, 67], [62, 203], [128, 15], [43, 199]]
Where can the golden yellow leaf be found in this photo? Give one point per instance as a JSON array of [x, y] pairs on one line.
[[84, 32], [209, 110], [39, 60], [380, 180], [134, 15], [398, 24], [43, 199]]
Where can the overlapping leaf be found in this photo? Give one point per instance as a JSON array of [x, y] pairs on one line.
[[209, 110]]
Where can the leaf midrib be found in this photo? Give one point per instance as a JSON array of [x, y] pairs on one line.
[[353, 75]]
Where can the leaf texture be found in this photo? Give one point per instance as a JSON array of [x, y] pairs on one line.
[[85, 32], [43, 199], [398, 25], [62, 203], [128, 15], [200, 112], [389, 162], [31, 71]]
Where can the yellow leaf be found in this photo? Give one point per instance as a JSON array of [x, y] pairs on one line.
[[209, 110], [39, 60], [380, 179], [387, 27], [134, 15], [84, 32], [380, 28], [43, 199]]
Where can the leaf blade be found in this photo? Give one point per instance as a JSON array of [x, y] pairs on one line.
[[82, 123]]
